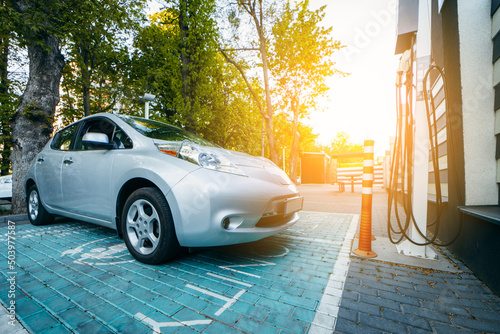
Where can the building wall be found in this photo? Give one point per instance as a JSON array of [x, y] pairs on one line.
[[495, 35], [472, 239], [476, 53]]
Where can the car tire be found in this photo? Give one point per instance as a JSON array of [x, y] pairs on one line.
[[148, 227], [37, 214]]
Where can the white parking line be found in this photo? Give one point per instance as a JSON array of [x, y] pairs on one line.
[[325, 319], [229, 279], [207, 292], [229, 301], [158, 325], [262, 264]]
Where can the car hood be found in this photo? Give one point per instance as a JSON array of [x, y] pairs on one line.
[[252, 166], [258, 167], [243, 159]]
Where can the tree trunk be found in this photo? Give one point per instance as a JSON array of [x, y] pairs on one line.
[[258, 19], [265, 69], [269, 106], [86, 97], [5, 105], [86, 76], [294, 154], [185, 64], [32, 124]]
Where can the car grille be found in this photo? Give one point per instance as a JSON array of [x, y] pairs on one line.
[[274, 221]]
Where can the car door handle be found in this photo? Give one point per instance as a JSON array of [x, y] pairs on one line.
[[40, 159], [68, 161]]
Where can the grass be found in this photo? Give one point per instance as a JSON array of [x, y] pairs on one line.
[[4, 211]]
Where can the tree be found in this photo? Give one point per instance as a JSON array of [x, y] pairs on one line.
[[6, 103], [255, 10], [155, 64], [98, 58], [36, 24], [177, 61], [194, 87], [284, 138], [40, 26], [342, 144], [300, 62], [235, 124]]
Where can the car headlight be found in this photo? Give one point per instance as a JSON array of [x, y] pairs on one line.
[[171, 148], [202, 156]]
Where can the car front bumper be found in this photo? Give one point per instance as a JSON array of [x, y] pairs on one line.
[[214, 208]]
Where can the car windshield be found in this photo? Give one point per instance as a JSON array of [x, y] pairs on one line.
[[162, 131]]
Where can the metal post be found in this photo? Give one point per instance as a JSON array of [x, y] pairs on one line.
[[263, 136], [147, 98], [365, 229], [147, 110], [284, 158]]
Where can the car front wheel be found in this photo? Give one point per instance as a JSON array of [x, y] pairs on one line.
[[37, 214], [148, 227]]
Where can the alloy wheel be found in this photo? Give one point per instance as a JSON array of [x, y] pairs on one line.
[[143, 227], [33, 205]]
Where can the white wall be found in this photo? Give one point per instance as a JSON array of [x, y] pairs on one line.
[[476, 53]]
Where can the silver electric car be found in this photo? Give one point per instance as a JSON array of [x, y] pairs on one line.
[[159, 186]]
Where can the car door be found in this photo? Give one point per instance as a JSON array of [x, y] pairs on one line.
[[86, 174], [48, 167]]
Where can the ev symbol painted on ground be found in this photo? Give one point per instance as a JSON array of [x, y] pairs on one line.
[[100, 252]]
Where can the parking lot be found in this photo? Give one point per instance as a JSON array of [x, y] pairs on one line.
[[72, 277], [76, 277]]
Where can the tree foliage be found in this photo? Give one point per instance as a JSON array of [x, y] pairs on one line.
[[177, 60], [98, 59], [283, 134], [40, 26], [259, 16], [200, 76], [301, 60], [342, 144]]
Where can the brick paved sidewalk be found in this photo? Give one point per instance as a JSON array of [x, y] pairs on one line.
[[383, 297], [297, 282], [77, 277]]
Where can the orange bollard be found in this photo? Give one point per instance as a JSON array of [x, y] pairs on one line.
[[365, 229]]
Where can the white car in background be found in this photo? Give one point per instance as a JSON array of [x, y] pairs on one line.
[[6, 187]]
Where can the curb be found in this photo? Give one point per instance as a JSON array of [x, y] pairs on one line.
[[4, 219]]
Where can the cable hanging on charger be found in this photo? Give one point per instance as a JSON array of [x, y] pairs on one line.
[[402, 178]]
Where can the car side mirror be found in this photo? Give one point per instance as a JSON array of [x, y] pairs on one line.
[[97, 140]]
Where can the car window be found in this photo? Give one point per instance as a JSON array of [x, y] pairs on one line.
[[62, 139], [102, 125], [162, 131], [121, 139]]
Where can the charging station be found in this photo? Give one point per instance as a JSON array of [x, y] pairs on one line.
[[459, 88], [415, 159]]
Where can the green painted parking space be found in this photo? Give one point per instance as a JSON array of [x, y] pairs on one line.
[[76, 277]]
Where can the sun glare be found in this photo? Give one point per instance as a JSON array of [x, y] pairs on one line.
[[362, 104]]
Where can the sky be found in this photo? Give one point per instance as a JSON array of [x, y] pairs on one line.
[[362, 104]]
